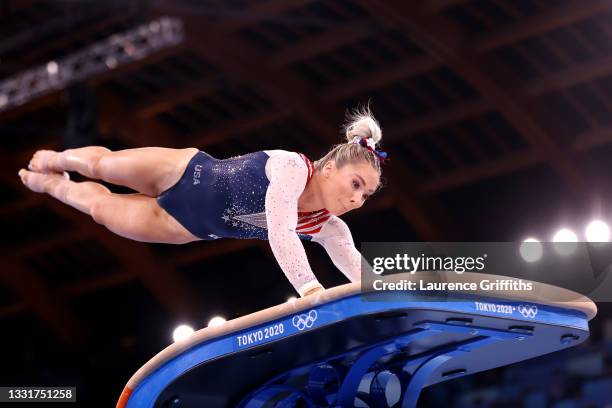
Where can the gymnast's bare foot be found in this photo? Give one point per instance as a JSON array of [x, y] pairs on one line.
[[41, 182], [44, 161]]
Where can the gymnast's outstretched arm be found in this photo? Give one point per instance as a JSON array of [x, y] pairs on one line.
[[337, 240], [288, 175]]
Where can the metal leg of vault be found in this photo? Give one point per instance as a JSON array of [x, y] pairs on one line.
[[329, 386]]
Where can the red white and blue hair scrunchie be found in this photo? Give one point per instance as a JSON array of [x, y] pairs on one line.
[[369, 144]]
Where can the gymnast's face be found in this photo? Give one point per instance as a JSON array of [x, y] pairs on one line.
[[348, 187]]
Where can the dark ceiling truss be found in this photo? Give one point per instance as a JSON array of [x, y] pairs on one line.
[[289, 69], [56, 46], [90, 61]]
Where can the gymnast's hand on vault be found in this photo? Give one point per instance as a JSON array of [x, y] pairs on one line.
[[314, 290]]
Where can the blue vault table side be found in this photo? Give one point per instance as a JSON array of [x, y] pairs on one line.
[[344, 350]]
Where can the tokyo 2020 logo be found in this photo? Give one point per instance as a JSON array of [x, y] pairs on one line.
[[305, 321], [529, 311]]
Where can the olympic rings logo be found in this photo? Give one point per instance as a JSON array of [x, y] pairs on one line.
[[529, 311], [305, 321]]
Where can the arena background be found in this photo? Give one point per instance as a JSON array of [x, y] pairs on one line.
[[496, 115]]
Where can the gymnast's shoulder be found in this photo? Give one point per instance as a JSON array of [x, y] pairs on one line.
[[287, 161]]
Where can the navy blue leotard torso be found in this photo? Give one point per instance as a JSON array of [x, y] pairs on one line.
[[221, 198]]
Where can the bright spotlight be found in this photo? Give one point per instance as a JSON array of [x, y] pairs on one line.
[[597, 231], [181, 333], [531, 250], [52, 68], [216, 321], [564, 241], [565, 235]]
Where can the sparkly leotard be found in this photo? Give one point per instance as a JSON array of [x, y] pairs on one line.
[[255, 196]]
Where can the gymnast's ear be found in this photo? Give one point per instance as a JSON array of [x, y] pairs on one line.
[[328, 168]]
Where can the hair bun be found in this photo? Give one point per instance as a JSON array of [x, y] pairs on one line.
[[361, 122]]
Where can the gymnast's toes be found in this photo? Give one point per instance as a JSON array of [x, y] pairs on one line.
[[38, 182], [40, 162], [32, 180]]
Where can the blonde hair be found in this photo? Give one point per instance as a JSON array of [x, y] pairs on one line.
[[359, 122]]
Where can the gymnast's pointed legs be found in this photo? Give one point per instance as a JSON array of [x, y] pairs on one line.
[[133, 216], [148, 170]]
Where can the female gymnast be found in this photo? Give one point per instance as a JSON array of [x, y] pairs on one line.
[[186, 195]]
